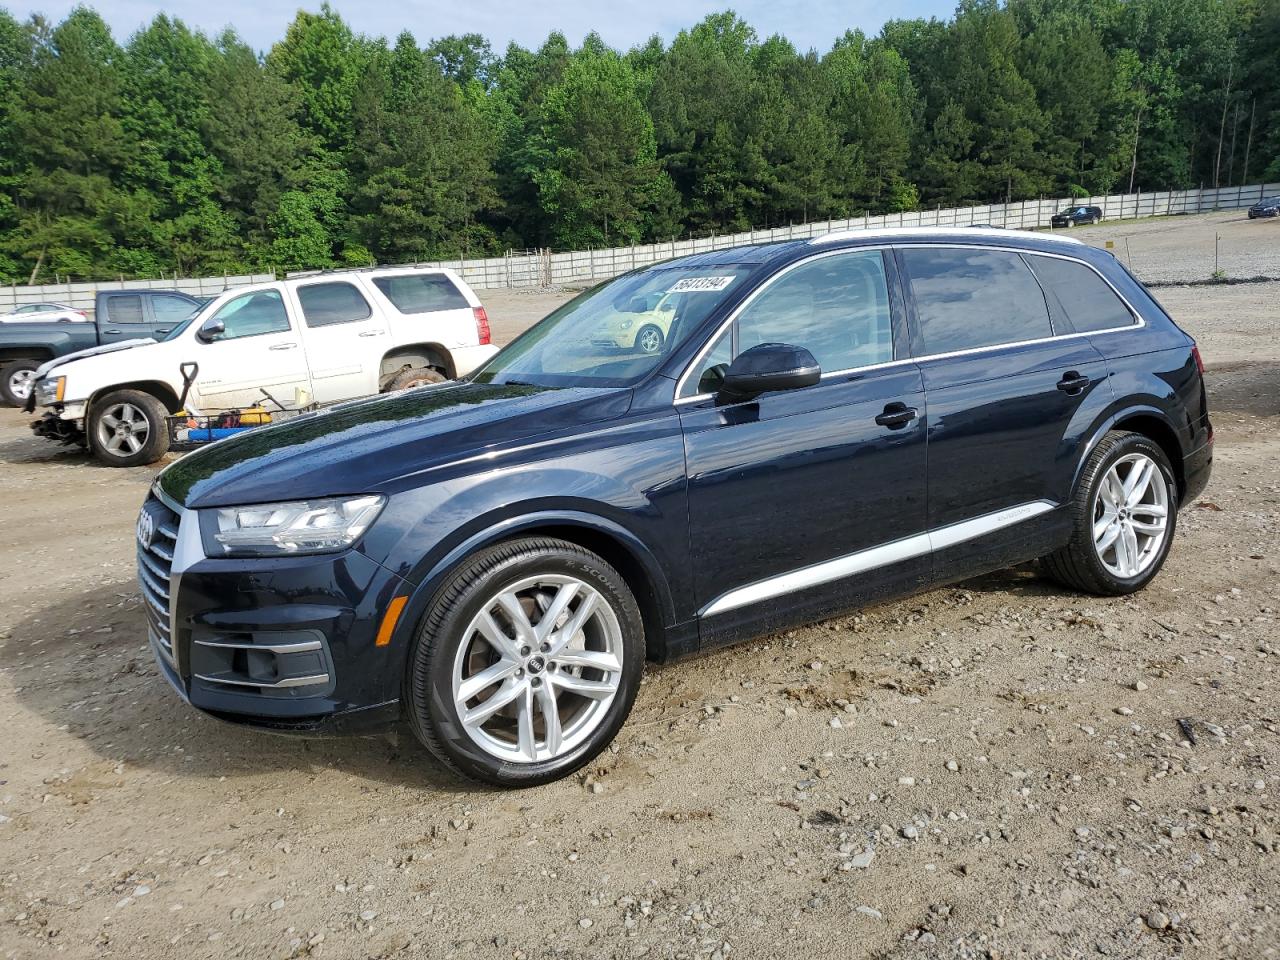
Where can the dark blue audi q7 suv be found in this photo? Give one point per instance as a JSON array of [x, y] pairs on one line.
[[827, 423]]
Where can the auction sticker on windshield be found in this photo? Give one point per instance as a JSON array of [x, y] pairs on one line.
[[701, 284]]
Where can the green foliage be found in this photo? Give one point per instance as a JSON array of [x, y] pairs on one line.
[[175, 152]]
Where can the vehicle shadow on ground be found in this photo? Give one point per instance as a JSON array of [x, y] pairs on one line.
[[33, 449], [84, 666]]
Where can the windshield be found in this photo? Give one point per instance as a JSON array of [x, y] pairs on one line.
[[615, 334]]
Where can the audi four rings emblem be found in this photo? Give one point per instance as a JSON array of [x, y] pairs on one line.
[[146, 528]]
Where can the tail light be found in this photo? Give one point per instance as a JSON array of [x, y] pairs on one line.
[[1195, 352], [482, 325]]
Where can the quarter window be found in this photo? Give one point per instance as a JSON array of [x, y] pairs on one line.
[[124, 308], [252, 315], [974, 298], [328, 303], [1082, 300], [421, 292]]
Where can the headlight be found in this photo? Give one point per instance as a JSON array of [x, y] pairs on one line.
[[51, 390], [287, 529], [625, 324]]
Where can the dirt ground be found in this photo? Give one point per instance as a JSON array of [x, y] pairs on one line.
[[998, 769]]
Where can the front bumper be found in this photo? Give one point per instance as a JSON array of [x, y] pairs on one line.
[[287, 644], [1268, 212]]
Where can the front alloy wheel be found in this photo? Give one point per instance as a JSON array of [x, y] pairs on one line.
[[539, 669], [527, 663], [18, 380], [127, 429]]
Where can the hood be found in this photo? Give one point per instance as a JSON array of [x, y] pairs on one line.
[[91, 352], [379, 445]]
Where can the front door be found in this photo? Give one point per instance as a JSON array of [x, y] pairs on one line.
[[807, 501], [259, 349], [345, 339]]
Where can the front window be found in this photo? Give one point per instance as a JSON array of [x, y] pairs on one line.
[[252, 315], [615, 334]]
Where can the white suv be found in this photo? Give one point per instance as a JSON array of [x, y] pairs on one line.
[[324, 337]]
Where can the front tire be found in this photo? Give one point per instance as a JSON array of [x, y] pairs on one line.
[[1125, 512], [527, 664], [127, 428], [17, 380]]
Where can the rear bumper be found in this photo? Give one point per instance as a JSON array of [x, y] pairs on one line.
[[1196, 468]]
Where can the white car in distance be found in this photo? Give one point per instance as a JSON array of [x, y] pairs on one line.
[[325, 337], [44, 313]]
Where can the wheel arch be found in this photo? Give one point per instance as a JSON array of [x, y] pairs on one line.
[[156, 388], [617, 546], [427, 351], [1152, 423]]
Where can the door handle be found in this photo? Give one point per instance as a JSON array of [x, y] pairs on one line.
[[896, 415], [282, 346], [111, 332], [1073, 383], [371, 333], [164, 330]]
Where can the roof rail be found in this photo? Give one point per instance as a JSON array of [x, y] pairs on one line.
[[908, 232]]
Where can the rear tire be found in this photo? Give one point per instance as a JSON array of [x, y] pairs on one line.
[[1123, 524], [415, 377], [486, 652], [17, 381], [127, 428]]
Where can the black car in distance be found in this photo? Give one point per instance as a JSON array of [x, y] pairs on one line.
[[1072, 216], [827, 423], [1266, 207]]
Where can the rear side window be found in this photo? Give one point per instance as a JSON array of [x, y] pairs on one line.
[[421, 292], [974, 298], [328, 303], [1079, 296], [124, 308]]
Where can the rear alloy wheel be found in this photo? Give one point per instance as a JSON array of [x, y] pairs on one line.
[[415, 377], [1126, 510], [528, 664], [127, 429], [649, 339], [16, 381]]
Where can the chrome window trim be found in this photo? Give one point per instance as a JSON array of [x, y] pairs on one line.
[[871, 558], [1139, 321]]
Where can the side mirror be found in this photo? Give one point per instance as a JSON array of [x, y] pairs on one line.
[[765, 368], [210, 330]]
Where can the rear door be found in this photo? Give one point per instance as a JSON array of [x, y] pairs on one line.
[[122, 316], [260, 349], [345, 339], [1005, 392]]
